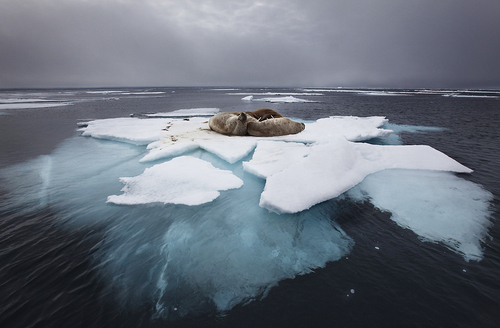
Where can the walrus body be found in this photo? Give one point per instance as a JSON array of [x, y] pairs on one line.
[[274, 127], [264, 122], [234, 124], [264, 114]]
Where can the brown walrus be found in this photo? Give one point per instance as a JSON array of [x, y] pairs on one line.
[[264, 122], [279, 126]]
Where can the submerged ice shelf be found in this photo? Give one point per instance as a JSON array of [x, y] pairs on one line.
[[206, 221]]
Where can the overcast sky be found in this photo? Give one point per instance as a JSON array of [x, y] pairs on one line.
[[362, 43]]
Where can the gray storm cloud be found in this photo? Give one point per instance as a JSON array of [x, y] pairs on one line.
[[381, 43]]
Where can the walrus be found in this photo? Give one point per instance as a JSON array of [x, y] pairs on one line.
[[263, 122], [279, 126], [264, 114]]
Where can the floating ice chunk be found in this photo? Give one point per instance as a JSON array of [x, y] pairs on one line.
[[469, 96], [161, 133], [383, 93], [338, 165], [183, 180], [26, 105], [131, 130], [105, 92], [144, 131], [22, 100], [144, 93], [287, 99], [437, 206], [350, 127], [231, 149], [187, 112], [271, 157], [247, 98], [276, 94]]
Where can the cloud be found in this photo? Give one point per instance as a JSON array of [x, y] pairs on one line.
[[386, 43]]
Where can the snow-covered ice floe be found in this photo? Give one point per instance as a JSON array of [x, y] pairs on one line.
[[195, 221], [190, 181], [27, 104], [285, 99], [321, 163], [187, 112]]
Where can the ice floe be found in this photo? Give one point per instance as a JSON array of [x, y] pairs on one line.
[[286, 99], [206, 221], [296, 171], [28, 105], [326, 160], [183, 180], [334, 167], [187, 112]]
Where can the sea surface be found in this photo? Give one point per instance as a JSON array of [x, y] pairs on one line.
[[67, 263]]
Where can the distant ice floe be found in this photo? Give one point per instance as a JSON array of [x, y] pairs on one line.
[[123, 92], [286, 99], [27, 104], [277, 94], [365, 92], [455, 95], [187, 112], [445, 93]]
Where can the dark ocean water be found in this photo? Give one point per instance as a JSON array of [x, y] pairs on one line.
[[51, 271]]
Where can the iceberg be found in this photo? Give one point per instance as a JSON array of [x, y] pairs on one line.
[[195, 221]]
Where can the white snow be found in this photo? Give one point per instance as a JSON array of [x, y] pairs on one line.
[[127, 129], [183, 180], [350, 127], [231, 150], [334, 167], [271, 157]]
